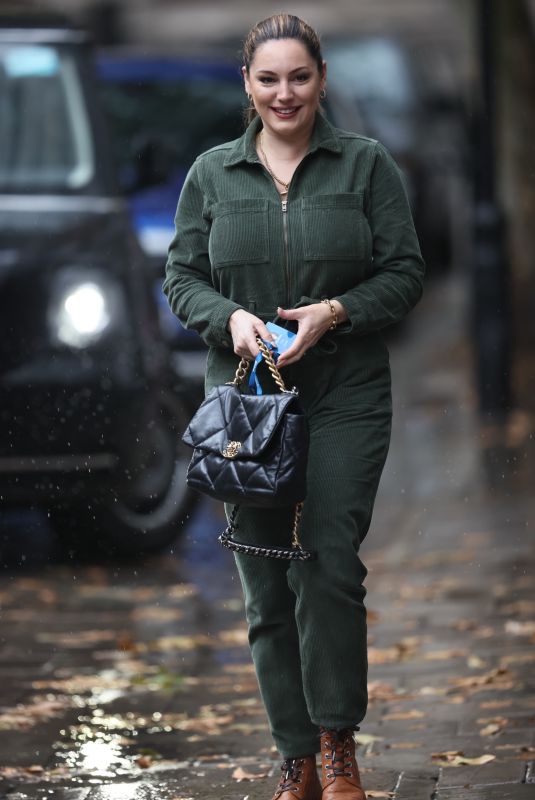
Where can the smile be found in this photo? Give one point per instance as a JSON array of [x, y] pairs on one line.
[[285, 113]]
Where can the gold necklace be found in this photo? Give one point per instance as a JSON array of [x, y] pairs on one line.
[[266, 162]]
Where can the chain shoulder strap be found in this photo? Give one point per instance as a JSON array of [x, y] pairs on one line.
[[293, 553], [243, 366]]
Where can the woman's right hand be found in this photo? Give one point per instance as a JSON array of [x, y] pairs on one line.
[[244, 328]]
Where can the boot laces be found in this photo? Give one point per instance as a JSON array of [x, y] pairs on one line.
[[292, 769], [341, 755]]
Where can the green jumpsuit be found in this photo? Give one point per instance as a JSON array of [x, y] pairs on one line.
[[346, 232]]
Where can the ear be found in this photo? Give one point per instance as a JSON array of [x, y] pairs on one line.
[[246, 80], [324, 75]]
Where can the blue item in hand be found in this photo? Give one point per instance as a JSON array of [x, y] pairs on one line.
[[283, 340]]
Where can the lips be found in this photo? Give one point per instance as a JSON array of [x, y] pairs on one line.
[[285, 113]]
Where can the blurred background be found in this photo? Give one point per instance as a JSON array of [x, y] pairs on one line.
[[104, 105]]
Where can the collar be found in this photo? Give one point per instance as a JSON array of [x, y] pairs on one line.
[[324, 137]]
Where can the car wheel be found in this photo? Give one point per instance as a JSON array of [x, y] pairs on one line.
[[146, 510]]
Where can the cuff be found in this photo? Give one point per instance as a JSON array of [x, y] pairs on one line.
[[219, 323]]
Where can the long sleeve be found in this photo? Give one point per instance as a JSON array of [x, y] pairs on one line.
[[188, 283], [395, 284]]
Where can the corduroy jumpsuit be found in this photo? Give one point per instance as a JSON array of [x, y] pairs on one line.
[[346, 232]]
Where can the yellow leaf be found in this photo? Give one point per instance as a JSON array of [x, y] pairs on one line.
[[475, 762], [496, 704], [412, 714], [241, 774], [475, 662], [375, 793], [490, 730], [456, 758], [444, 655], [367, 738], [405, 745], [517, 628]]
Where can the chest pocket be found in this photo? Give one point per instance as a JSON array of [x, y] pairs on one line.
[[335, 228], [239, 234]]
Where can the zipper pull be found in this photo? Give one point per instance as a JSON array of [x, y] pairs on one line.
[[284, 205]]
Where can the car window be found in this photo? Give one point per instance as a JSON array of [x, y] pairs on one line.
[[45, 139], [180, 115]]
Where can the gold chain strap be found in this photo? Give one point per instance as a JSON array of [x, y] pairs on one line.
[[243, 366], [297, 520], [241, 372]]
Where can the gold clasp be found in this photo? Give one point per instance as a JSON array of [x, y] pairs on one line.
[[231, 450]]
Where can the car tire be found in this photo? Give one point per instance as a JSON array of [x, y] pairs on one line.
[[145, 514]]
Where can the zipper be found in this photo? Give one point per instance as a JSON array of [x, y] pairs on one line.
[[284, 206]]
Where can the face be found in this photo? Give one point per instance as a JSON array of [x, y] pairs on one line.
[[285, 84]]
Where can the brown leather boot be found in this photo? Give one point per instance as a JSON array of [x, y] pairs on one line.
[[299, 780], [340, 773]]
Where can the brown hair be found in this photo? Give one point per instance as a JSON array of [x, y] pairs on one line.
[[279, 26]]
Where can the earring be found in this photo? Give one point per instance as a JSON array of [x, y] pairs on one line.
[[323, 94]]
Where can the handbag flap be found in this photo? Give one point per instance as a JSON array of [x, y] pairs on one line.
[[248, 421]]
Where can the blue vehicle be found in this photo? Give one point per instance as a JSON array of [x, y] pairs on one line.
[[164, 111]]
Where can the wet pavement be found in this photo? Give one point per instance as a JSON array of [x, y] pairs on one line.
[[133, 681]]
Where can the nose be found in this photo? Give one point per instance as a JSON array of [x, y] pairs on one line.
[[285, 91]]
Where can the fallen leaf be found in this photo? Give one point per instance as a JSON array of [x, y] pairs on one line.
[[367, 738], [156, 614], [501, 721], [237, 636], [490, 730], [375, 793], [406, 745], [456, 758], [432, 690], [456, 699], [464, 625], [144, 762], [499, 678], [496, 704], [168, 643], [517, 658], [443, 655], [78, 639], [239, 669], [24, 716], [485, 632], [412, 714], [517, 628], [241, 774], [475, 662], [519, 607], [400, 651], [380, 692]]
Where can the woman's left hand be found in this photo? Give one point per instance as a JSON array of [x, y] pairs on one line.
[[312, 322]]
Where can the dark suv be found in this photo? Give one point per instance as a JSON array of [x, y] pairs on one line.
[[89, 414]]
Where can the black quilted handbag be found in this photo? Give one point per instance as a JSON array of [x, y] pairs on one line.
[[251, 449]]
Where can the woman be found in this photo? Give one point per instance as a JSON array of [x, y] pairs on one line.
[[308, 226]]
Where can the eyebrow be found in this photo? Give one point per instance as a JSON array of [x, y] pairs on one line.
[[297, 69]]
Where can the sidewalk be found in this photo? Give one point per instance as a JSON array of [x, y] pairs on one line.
[[136, 682]]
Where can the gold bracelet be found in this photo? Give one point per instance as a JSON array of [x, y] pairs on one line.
[[334, 321]]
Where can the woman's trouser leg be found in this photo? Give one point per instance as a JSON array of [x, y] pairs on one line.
[[307, 620], [273, 636]]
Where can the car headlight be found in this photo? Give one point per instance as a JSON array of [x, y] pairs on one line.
[[83, 309]]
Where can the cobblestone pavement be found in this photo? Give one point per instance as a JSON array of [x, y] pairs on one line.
[[133, 681]]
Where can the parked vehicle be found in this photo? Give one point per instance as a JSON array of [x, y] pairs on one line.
[[163, 111], [89, 414]]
